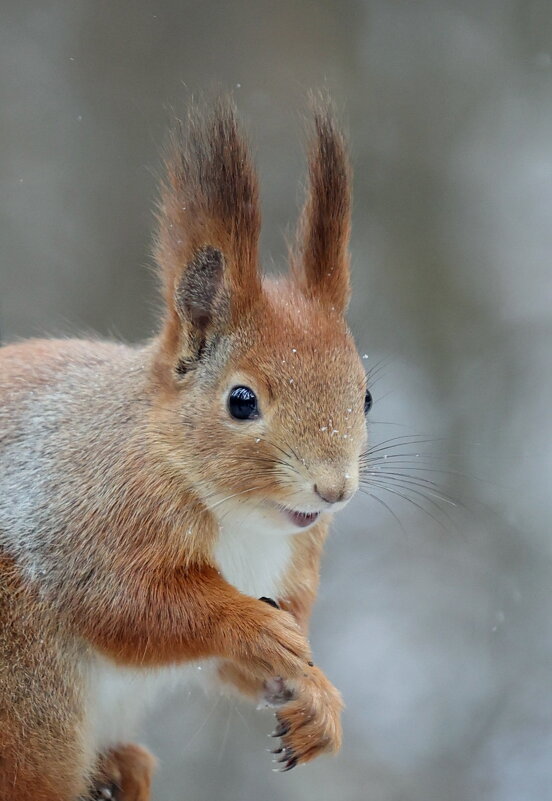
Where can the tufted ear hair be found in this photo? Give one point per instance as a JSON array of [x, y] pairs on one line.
[[320, 261], [208, 230]]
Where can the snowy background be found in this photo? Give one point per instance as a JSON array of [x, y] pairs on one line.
[[434, 620]]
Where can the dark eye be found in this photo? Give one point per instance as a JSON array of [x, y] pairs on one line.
[[242, 404], [368, 401]]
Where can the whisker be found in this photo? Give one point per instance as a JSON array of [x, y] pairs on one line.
[[387, 507], [288, 455], [225, 736], [385, 423], [407, 483], [235, 495], [205, 721], [416, 461], [293, 451], [401, 459], [278, 448], [402, 437], [422, 481], [431, 487], [409, 500], [248, 511], [391, 451], [389, 445], [377, 369]]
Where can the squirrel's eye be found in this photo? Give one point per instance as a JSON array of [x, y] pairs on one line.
[[242, 404], [368, 401]]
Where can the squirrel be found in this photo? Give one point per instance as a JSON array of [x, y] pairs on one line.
[[153, 498]]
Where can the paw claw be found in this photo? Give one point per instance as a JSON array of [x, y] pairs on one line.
[[105, 793], [280, 730], [287, 754], [309, 725], [270, 602]]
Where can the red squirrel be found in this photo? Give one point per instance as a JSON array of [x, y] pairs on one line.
[[153, 497]]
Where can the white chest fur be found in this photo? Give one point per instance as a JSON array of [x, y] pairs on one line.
[[251, 557], [253, 560]]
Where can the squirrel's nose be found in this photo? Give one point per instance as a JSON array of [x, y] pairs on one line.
[[332, 493]]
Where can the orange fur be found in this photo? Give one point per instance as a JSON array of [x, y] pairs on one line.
[[193, 614], [114, 463], [322, 256], [129, 770]]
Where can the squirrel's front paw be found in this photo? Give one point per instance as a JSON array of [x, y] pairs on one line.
[[272, 644], [276, 692], [310, 724]]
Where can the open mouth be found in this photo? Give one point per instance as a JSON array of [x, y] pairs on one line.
[[301, 519]]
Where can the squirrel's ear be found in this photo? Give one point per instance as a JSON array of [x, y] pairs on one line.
[[320, 261], [208, 230], [201, 303]]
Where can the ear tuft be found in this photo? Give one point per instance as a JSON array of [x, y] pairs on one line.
[[320, 261], [208, 223]]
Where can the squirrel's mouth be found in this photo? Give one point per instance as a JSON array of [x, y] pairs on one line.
[[301, 519]]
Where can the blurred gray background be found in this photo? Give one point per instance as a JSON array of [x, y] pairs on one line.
[[434, 620]]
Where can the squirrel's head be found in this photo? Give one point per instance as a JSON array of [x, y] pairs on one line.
[[260, 393]]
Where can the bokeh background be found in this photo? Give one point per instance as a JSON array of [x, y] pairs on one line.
[[435, 620]]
